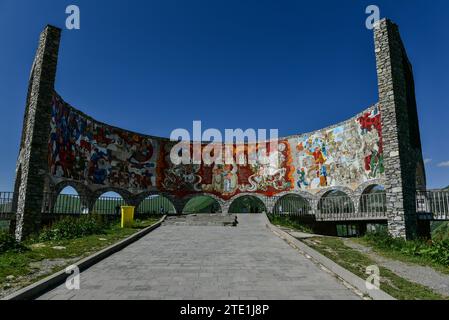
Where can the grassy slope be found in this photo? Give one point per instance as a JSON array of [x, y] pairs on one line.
[[356, 262], [200, 204]]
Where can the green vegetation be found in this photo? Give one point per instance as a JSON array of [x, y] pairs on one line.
[[153, 204], [40, 256], [440, 230], [288, 222], [433, 253], [4, 226], [357, 262], [9, 243], [201, 204], [247, 204], [74, 227]]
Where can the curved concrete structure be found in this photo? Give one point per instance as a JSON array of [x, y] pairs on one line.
[[62, 146]]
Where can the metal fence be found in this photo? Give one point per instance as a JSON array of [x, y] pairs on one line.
[[156, 205], [292, 205], [335, 208], [373, 205], [6, 201], [433, 204], [430, 204]]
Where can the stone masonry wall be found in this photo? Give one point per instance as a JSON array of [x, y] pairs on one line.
[[403, 156], [32, 162], [385, 138]]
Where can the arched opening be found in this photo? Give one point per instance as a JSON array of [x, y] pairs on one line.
[[373, 200], [68, 201], [109, 203], [202, 204], [156, 204], [292, 204], [247, 204], [336, 202]]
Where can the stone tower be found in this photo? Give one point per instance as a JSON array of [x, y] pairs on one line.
[[404, 169], [31, 169]]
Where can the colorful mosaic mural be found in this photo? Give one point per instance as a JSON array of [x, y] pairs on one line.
[[345, 155], [84, 150], [227, 180]]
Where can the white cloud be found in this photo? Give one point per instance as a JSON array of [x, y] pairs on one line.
[[444, 164], [426, 161]]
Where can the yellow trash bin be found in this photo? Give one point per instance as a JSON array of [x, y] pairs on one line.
[[127, 216]]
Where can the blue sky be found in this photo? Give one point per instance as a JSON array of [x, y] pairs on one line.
[[153, 66]]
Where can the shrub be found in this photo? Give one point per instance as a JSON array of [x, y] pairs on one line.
[[289, 222], [9, 243], [436, 251], [74, 227]]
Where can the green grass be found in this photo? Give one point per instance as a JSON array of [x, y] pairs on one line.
[[288, 222], [4, 226], [356, 262], [426, 253], [440, 230], [24, 266], [201, 204]]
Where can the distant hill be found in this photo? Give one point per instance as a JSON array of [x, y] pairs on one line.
[[447, 188]]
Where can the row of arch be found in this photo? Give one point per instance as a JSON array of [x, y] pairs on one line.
[[331, 201]]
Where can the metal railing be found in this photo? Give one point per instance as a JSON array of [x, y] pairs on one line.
[[108, 205], [430, 204], [433, 204], [72, 204], [373, 205], [341, 208], [292, 205], [335, 208], [156, 205], [6, 200]]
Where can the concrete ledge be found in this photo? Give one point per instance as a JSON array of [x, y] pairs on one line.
[[341, 272], [38, 288]]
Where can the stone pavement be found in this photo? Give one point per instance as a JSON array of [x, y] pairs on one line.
[[207, 262]]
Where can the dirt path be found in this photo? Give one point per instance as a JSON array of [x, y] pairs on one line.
[[425, 276]]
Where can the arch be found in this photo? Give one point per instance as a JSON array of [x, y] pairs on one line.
[[202, 203], [373, 200], [335, 203], [80, 188], [363, 186], [57, 201], [108, 201], [247, 203], [68, 201], [155, 204], [329, 190], [292, 204], [125, 194]]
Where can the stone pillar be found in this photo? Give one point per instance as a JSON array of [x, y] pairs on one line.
[[400, 129], [32, 164], [225, 207], [179, 204]]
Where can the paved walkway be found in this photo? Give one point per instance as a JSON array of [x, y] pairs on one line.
[[207, 262]]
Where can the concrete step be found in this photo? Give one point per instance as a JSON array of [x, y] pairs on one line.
[[200, 219]]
